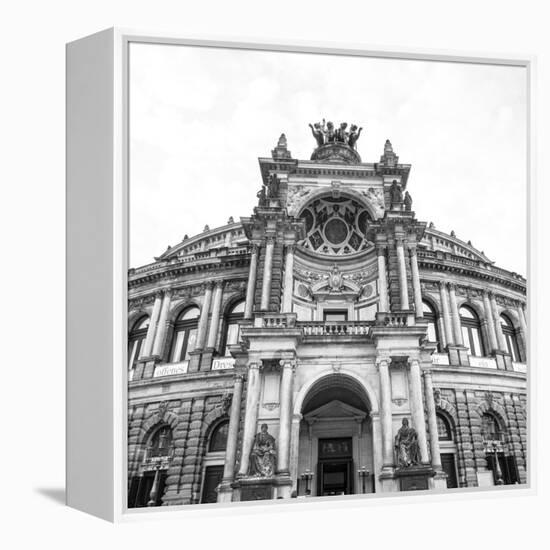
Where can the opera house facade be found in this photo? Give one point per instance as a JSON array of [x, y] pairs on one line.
[[330, 343]]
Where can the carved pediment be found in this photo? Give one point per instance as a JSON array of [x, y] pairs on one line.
[[335, 410]]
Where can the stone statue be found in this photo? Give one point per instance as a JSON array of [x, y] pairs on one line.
[[406, 445], [273, 186], [318, 134], [262, 198], [341, 133], [354, 135], [408, 201], [330, 133], [263, 454], [396, 193]]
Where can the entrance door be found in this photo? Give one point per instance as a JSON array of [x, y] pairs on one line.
[[212, 478], [335, 470], [449, 467]]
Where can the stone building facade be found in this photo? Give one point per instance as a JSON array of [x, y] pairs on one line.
[[278, 356]]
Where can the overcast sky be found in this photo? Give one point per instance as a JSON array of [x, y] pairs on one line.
[[200, 117]]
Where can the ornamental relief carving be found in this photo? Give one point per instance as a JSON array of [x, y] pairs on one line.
[[138, 303], [375, 197], [295, 196]]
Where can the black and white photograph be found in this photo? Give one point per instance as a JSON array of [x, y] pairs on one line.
[[327, 290]]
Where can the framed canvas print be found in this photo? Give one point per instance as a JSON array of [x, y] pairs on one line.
[[305, 268]]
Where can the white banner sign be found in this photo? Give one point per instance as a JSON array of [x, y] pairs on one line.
[[483, 362], [171, 369], [222, 364]]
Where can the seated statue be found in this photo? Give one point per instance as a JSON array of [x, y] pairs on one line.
[[263, 454], [406, 445]]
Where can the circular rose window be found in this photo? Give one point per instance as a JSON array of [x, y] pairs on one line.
[[335, 226]]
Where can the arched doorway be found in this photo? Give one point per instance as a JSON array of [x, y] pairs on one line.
[[335, 451]]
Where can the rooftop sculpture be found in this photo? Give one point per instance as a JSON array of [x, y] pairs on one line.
[[325, 133]]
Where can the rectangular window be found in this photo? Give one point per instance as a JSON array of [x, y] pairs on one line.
[[335, 315], [178, 346], [476, 343], [233, 337], [191, 343]]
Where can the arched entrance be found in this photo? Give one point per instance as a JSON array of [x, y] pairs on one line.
[[335, 449]]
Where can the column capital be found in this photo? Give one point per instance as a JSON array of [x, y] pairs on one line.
[[238, 378], [290, 247], [427, 373], [255, 365], [270, 239], [383, 359], [288, 363], [381, 249], [219, 283], [451, 286], [159, 293], [412, 248], [255, 247], [412, 360], [208, 285]]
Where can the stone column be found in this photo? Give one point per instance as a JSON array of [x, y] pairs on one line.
[[251, 287], [253, 387], [201, 331], [498, 328], [417, 409], [490, 323], [161, 331], [266, 282], [383, 280], [294, 448], [153, 321], [523, 328], [386, 412], [457, 329], [285, 404], [445, 312], [289, 280], [402, 268], [432, 420], [215, 320], [232, 434], [416, 283]]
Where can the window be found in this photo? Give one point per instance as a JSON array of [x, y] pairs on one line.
[[160, 444], [332, 315], [510, 335], [218, 439], [431, 317], [471, 331], [136, 339], [185, 334], [232, 327], [444, 428], [490, 428]]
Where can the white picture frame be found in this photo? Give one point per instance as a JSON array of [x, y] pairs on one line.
[[97, 252]]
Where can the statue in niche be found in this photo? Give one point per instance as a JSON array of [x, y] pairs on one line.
[[273, 185], [406, 445], [408, 201], [318, 133], [396, 193], [353, 135], [263, 454]]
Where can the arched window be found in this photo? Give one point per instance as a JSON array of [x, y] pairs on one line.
[[218, 439], [136, 339], [160, 445], [232, 327], [491, 429], [471, 331], [431, 317], [444, 430], [185, 334], [148, 488], [510, 335]]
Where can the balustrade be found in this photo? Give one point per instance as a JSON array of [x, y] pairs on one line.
[[335, 328]]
